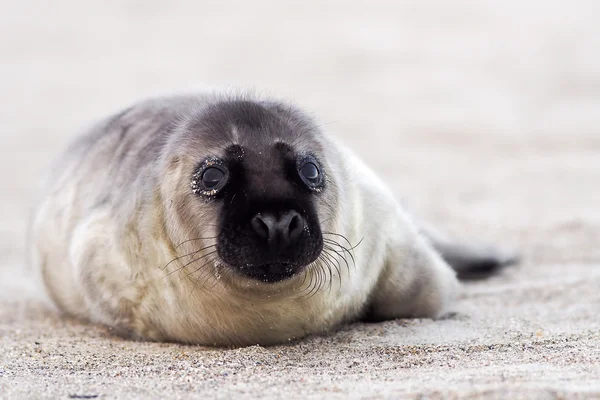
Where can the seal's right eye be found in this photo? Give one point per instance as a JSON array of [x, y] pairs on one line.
[[210, 177]]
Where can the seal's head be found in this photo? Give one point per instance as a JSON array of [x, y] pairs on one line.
[[253, 187]]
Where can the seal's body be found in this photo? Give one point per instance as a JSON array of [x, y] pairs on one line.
[[225, 220]]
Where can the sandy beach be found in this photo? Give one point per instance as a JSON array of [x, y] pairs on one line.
[[483, 117]]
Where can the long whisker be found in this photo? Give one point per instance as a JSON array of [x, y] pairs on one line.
[[193, 240], [343, 249], [340, 255], [352, 247], [193, 253], [317, 281], [306, 274], [199, 277], [323, 278], [215, 273], [332, 261], [340, 251], [325, 258], [207, 261], [338, 235], [311, 281], [326, 272], [191, 262]]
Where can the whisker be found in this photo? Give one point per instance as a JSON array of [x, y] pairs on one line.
[[214, 273], [332, 261], [306, 274], [208, 261], [340, 255], [317, 282], [193, 253], [311, 282], [328, 262], [323, 278], [352, 247], [338, 235], [348, 248], [199, 277], [191, 262], [343, 249], [193, 240]]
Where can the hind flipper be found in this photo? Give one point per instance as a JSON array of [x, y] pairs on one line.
[[470, 260]]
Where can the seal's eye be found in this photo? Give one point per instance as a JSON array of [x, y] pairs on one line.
[[211, 177], [310, 173]]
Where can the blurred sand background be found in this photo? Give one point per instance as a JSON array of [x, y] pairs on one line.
[[483, 116]]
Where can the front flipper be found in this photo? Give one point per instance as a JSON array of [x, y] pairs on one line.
[[416, 282]]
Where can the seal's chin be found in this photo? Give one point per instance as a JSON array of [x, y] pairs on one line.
[[270, 273]]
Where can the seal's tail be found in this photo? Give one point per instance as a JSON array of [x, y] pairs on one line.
[[470, 260]]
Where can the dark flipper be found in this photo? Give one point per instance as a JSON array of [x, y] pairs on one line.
[[470, 261]]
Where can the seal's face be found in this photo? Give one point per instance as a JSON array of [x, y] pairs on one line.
[[264, 180], [268, 226]]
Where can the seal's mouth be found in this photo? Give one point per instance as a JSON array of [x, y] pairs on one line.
[[271, 273]]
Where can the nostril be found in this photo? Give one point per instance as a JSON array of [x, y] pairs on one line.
[[294, 223], [295, 227], [278, 231], [260, 226]]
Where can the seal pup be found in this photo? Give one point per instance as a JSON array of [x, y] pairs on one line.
[[231, 220]]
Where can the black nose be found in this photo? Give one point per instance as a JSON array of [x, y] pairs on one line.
[[278, 230]]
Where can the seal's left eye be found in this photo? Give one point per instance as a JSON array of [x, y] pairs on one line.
[[310, 173], [212, 176]]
